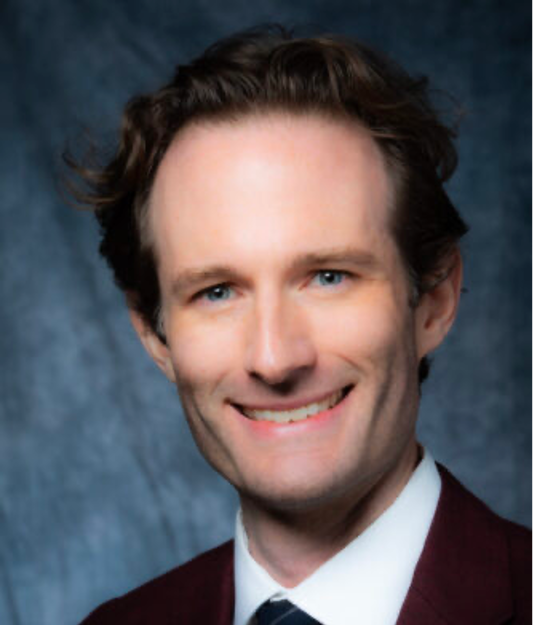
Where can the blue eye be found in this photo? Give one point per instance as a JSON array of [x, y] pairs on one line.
[[218, 293], [330, 277]]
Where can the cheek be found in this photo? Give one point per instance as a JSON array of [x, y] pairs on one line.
[[201, 353], [369, 328]]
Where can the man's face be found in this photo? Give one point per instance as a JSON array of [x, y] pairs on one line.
[[282, 288]]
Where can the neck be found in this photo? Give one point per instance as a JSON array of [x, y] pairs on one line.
[[291, 545]]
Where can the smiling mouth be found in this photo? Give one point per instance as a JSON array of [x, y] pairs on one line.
[[296, 414]]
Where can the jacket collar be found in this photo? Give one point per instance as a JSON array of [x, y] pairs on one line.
[[463, 575]]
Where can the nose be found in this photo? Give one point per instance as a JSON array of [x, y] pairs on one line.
[[279, 346]]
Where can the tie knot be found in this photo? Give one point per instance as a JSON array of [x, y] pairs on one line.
[[283, 613]]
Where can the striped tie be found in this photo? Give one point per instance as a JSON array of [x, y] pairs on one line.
[[283, 613]]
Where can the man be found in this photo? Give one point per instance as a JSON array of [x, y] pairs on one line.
[[277, 220]]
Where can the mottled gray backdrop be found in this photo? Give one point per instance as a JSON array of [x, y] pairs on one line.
[[101, 486]]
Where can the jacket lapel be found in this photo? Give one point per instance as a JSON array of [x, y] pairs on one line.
[[463, 575], [214, 596]]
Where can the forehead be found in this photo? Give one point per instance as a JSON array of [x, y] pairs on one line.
[[275, 181]]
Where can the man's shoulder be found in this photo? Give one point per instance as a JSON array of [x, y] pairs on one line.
[[520, 566], [483, 528], [457, 501], [475, 567], [200, 588]]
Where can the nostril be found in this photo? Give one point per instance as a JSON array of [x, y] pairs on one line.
[[284, 383]]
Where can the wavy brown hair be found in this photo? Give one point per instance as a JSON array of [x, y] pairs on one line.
[[267, 70]]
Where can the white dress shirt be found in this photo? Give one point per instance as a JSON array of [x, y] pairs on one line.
[[368, 580]]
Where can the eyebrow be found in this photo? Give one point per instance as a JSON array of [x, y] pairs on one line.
[[192, 277]]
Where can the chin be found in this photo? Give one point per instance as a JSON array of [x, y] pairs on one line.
[[300, 493]]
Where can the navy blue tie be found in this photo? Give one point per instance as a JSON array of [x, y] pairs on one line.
[[283, 613]]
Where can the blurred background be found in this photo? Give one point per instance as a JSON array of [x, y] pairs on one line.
[[101, 487]]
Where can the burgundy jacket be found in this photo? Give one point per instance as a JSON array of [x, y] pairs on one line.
[[475, 569]]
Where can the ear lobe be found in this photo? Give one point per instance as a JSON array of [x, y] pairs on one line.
[[158, 351], [437, 310]]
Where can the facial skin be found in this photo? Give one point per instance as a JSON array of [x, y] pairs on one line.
[[241, 215]]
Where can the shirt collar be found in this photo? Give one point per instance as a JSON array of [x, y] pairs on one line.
[[368, 580]]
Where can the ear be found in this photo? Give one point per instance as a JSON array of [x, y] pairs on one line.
[[158, 351], [437, 309]]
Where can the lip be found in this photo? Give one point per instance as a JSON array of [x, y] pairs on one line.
[[292, 405], [311, 425]]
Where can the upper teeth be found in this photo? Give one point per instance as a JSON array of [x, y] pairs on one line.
[[284, 416]]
